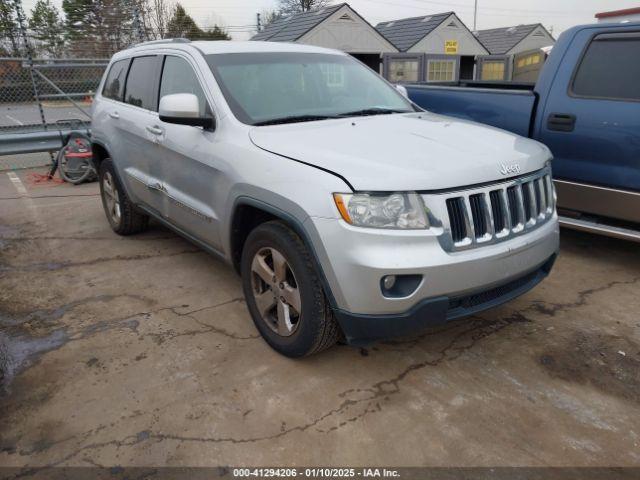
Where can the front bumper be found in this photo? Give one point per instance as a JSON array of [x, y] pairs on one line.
[[364, 329], [354, 260]]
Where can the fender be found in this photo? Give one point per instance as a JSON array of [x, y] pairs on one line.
[[298, 227], [116, 168]]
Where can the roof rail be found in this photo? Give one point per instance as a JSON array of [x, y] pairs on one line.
[[164, 40]]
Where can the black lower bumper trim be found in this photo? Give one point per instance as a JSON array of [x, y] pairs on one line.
[[363, 329]]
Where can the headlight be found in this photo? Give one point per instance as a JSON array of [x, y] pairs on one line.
[[396, 210]]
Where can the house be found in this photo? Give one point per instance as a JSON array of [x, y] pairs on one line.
[[337, 26], [515, 52], [433, 48], [622, 16]]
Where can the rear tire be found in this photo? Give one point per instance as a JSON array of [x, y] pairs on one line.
[[284, 293], [121, 212]]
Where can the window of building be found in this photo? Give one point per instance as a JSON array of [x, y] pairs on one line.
[[528, 60], [178, 77], [404, 70], [493, 70], [441, 71], [610, 68], [114, 84], [141, 88]]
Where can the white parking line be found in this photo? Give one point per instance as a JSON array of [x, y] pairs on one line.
[[14, 119], [22, 191], [17, 183]]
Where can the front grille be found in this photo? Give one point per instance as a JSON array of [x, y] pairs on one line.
[[494, 213]]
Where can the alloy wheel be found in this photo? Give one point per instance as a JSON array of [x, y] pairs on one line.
[[275, 291], [111, 198]]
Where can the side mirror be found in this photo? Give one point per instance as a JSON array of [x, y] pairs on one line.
[[183, 109], [402, 90]]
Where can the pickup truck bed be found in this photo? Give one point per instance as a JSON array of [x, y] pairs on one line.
[[479, 104]]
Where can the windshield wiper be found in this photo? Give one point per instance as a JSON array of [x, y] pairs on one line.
[[293, 119], [372, 111]]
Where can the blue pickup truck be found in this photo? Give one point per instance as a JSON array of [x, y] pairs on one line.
[[586, 108]]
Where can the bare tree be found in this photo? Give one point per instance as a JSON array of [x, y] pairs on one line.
[[157, 14], [291, 7], [269, 16]]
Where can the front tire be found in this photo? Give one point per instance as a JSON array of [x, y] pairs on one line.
[[121, 212], [284, 293]]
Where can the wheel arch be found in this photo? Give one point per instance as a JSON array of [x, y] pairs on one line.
[[99, 153], [249, 213]]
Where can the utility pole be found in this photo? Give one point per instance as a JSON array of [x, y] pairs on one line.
[[475, 16], [258, 25]]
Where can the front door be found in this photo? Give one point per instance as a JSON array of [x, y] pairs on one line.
[[189, 160], [592, 124]]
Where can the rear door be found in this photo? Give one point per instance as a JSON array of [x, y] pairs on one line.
[[138, 141], [189, 158], [591, 120]]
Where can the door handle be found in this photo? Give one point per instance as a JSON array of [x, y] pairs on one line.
[[155, 130], [114, 115], [156, 186], [561, 122]]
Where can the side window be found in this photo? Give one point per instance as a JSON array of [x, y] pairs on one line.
[[610, 68], [178, 77], [114, 84], [141, 81]]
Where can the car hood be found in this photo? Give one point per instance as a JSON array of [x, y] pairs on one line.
[[404, 152]]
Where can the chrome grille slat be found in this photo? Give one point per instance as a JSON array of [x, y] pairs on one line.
[[490, 214], [488, 218], [505, 214], [542, 211], [521, 211]]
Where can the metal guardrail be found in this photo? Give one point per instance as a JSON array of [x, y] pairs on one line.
[[33, 142]]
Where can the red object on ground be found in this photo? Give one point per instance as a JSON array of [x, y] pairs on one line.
[[35, 179]]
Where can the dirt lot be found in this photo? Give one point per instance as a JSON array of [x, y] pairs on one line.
[[140, 351]]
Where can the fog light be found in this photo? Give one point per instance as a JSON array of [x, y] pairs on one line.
[[388, 282], [399, 286]]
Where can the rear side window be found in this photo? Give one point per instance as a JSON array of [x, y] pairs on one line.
[[141, 83], [610, 68], [114, 84], [178, 77]]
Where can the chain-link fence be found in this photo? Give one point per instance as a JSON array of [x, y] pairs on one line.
[[51, 65], [52, 59], [43, 93]]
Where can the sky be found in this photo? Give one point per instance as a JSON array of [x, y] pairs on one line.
[[239, 16]]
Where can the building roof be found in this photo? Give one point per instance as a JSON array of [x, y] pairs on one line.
[[290, 29], [406, 32], [500, 40], [618, 13]]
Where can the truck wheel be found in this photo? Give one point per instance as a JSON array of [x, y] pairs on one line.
[[121, 213], [284, 294]]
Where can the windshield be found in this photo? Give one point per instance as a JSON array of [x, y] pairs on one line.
[[269, 88]]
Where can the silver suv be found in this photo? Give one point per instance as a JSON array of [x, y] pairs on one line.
[[348, 211]]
